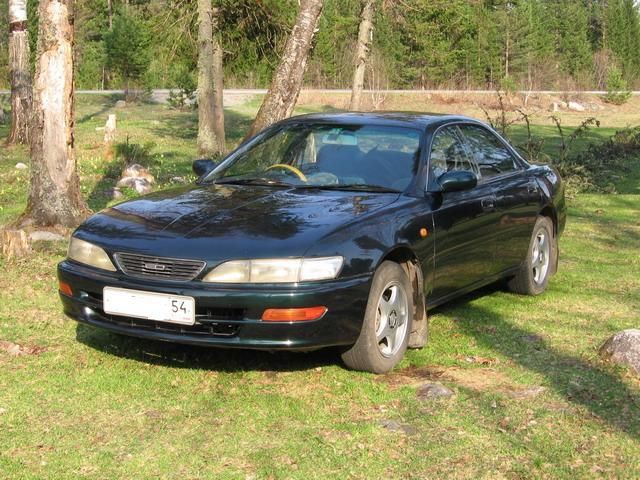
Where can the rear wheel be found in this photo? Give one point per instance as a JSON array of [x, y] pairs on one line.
[[387, 322], [535, 271]]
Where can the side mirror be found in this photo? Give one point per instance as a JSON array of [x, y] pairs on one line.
[[455, 181], [203, 166]]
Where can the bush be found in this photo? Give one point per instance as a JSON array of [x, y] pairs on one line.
[[127, 48], [617, 91], [185, 97], [597, 167]]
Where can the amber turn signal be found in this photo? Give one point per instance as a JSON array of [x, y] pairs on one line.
[[293, 314], [65, 288]]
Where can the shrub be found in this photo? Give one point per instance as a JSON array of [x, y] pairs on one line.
[[598, 166], [185, 97], [617, 91], [127, 48]]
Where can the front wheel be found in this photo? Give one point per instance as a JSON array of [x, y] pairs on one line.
[[387, 322], [533, 276]]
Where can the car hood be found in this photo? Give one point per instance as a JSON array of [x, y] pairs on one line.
[[220, 222]]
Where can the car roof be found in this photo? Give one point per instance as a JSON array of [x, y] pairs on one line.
[[398, 119]]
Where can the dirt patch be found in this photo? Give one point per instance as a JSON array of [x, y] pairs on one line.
[[411, 375], [483, 380], [16, 350]]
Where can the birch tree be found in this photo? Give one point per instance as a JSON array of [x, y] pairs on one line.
[[19, 72], [362, 53], [210, 108], [54, 194], [287, 80]]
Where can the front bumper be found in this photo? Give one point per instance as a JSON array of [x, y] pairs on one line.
[[226, 316]]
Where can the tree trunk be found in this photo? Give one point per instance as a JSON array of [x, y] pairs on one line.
[[54, 194], [218, 83], [287, 81], [362, 53], [208, 116], [20, 76], [110, 13]]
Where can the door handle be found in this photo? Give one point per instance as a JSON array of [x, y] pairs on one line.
[[488, 204]]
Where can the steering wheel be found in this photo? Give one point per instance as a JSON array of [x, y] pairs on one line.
[[291, 168]]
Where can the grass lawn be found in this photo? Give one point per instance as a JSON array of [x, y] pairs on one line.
[[85, 403]]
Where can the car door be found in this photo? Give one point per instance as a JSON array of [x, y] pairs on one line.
[[517, 195], [465, 222]]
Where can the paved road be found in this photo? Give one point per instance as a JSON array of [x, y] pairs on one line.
[[240, 95]]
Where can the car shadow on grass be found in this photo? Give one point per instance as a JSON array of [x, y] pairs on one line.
[[596, 388], [175, 355]]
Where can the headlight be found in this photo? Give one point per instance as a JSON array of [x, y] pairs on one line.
[[283, 270], [89, 254]]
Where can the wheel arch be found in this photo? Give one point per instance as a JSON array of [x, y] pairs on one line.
[[408, 260], [550, 212]]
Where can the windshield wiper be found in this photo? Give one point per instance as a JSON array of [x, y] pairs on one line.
[[253, 181], [356, 187]]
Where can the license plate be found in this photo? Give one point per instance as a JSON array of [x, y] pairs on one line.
[[160, 307]]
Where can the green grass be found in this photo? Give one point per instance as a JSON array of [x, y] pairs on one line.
[[97, 405]]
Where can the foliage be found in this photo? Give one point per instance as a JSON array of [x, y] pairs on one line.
[[127, 47], [537, 44], [598, 167], [185, 96], [129, 153], [617, 91]]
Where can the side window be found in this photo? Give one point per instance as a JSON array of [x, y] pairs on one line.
[[489, 153], [448, 153]]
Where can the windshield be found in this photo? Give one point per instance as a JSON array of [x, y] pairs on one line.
[[327, 156]]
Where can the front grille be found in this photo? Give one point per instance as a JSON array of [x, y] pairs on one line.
[[217, 329], [144, 266], [205, 314]]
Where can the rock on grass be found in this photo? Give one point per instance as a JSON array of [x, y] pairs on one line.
[[623, 348], [433, 391]]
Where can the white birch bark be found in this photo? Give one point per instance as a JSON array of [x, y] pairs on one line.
[[362, 53], [287, 80]]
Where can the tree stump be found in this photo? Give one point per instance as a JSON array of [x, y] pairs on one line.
[[15, 243], [110, 130]]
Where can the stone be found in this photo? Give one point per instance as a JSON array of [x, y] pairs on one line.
[[121, 104], [21, 166], [523, 394], [136, 170], [45, 236], [140, 185], [394, 426], [433, 391], [178, 180], [114, 193], [576, 107], [623, 348]]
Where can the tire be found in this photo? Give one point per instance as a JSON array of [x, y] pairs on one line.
[[387, 322], [534, 273]]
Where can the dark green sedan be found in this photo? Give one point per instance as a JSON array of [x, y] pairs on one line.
[[324, 230]]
